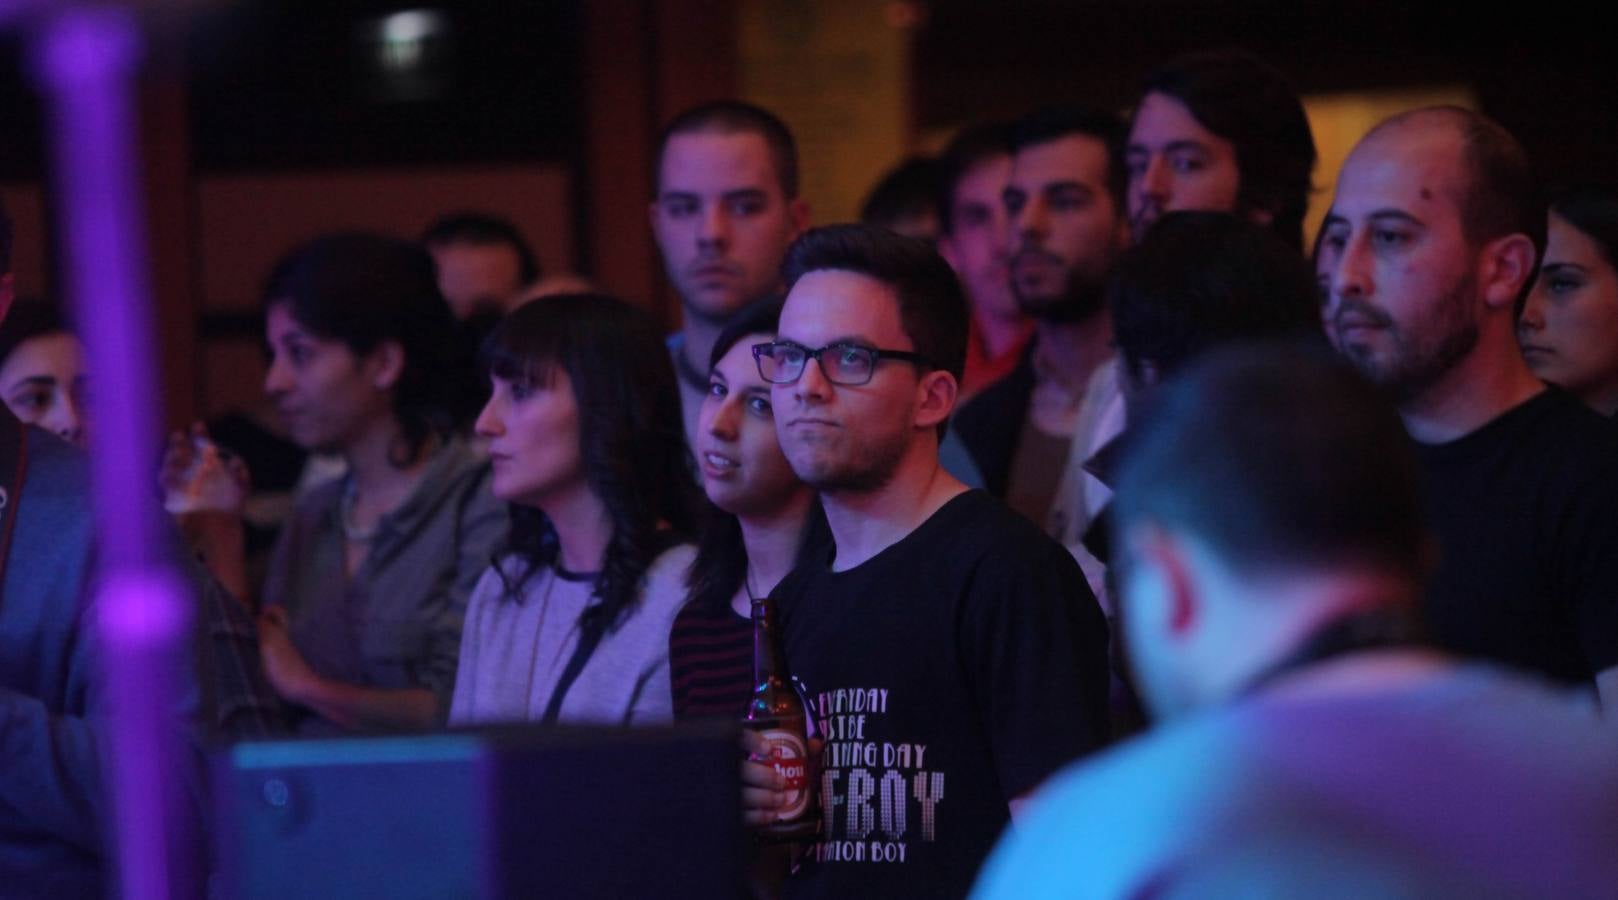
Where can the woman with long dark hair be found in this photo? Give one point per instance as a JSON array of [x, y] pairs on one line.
[[366, 589], [571, 622], [1569, 328], [762, 523], [42, 371]]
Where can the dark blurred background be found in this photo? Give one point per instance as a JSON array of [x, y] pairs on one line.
[[265, 123]]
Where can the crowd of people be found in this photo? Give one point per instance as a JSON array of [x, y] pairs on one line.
[[1103, 520]]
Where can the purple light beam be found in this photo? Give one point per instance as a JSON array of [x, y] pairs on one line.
[[86, 60]]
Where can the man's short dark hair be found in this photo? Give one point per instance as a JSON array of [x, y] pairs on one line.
[[733, 117], [932, 306], [1248, 102], [1053, 122], [907, 190], [483, 229], [1281, 458], [1199, 279], [1503, 193], [972, 147]]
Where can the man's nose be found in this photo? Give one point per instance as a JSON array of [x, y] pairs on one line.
[[277, 380], [1350, 269], [714, 226], [1032, 220], [1153, 183], [812, 383]]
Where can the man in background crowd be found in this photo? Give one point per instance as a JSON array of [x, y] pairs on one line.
[[905, 200], [725, 210], [1221, 132], [973, 238], [1030, 431], [484, 264]]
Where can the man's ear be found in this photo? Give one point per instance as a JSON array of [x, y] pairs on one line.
[[1505, 265], [798, 215], [1159, 555], [385, 365], [935, 398]]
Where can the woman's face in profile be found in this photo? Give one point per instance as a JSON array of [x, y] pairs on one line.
[[326, 393], [743, 469], [43, 384], [1569, 327], [534, 443]]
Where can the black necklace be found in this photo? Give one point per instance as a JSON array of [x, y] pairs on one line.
[[1376, 629]]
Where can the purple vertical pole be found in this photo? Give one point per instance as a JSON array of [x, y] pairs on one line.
[[87, 61]]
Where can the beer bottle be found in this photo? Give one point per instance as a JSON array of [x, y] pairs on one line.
[[777, 713]]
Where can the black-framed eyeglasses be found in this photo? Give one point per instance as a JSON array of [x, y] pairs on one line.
[[782, 362]]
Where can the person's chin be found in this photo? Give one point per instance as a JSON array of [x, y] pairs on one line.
[[728, 496], [714, 303], [809, 465], [315, 442]]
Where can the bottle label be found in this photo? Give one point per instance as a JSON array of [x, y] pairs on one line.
[[790, 757]]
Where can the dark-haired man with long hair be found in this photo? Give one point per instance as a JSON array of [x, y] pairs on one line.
[[1220, 132], [953, 655]]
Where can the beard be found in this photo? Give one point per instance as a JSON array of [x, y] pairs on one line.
[[1421, 351], [866, 468], [1081, 297]]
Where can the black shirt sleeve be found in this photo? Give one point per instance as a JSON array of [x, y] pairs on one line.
[[1036, 640], [1587, 551]]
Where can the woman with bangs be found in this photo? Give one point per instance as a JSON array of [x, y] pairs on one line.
[[571, 622], [762, 523]]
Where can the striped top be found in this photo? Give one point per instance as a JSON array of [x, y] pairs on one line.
[[711, 662]]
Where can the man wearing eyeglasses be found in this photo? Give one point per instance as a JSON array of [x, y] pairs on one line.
[[952, 654]]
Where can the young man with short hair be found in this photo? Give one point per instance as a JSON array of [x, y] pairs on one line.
[[952, 654], [725, 210], [484, 264], [973, 240]]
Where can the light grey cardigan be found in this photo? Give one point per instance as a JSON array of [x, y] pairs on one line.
[[513, 649]]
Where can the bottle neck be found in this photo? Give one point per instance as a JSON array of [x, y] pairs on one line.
[[768, 665]]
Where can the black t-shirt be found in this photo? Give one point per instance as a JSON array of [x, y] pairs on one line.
[[948, 674], [1526, 513]]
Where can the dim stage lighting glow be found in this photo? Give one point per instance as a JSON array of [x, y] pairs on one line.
[[404, 36]]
